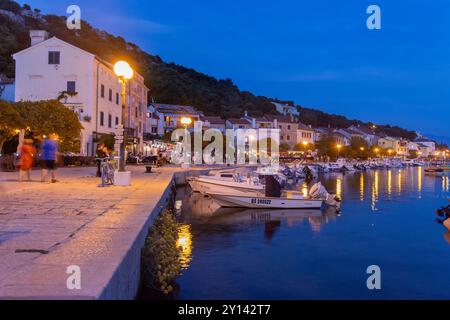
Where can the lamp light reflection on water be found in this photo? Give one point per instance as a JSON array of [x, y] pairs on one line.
[[339, 188], [375, 190], [305, 189], [401, 185], [361, 187], [445, 183], [419, 179], [389, 182], [184, 243]]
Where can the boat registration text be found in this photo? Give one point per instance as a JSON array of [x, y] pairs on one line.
[[261, 201]]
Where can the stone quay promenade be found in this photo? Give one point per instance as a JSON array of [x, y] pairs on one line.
[[45, 228]]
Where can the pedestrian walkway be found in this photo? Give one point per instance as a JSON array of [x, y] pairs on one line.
[[47, 227]]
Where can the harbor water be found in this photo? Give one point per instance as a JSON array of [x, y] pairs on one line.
[[387, 219]]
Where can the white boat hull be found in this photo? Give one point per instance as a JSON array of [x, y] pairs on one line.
[[241, 201], [210, 186]]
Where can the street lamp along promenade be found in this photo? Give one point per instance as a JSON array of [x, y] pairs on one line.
[[124, 72], [339, 146]]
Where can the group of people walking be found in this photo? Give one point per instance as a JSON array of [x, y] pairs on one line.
[[48, 155]]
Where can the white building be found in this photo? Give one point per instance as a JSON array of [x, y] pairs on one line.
[[172, 114], [136, 117], [349, 133], [235, 124], [51, 66], [425, 150], [399, 146], [155, 122], [388, 143], [368, 134], [287, 109], [305, 134], [213, 122], [426, 147], [430, 144]]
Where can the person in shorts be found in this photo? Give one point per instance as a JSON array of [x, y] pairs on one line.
[[49, 154]]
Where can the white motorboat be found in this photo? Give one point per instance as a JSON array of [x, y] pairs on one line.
[[228, 183], [262, 202]]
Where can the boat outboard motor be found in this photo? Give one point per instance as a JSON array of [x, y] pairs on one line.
[[318, 191], [273, 187]]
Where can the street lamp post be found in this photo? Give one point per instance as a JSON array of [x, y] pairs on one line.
[[339, 149], [124, 72]]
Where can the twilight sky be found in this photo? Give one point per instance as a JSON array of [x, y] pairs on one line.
[[318, 53]]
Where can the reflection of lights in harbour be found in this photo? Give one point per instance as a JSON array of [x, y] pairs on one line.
[[361, 187], [445, 183], [419, 179], [399, 182], [305, 189], [339, 188], [184, 243], [389, 182], [375, 191]]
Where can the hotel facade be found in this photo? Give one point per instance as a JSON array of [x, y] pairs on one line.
[[51, 66]]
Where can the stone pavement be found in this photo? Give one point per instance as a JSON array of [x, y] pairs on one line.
[[47, 227]]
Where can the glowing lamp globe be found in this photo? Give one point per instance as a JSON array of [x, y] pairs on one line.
[[186, 121], [123, 70]]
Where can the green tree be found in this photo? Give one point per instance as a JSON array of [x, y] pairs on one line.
[[64, 95], [413, 154], [284, 147], [51, 117], [303, 147], [10, 122], [326, 146], [108, 140], [359, 148]]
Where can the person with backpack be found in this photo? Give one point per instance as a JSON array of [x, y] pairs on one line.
[[49, 153]]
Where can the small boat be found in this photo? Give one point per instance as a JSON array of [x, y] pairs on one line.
[[434, 171], [262, 202], [275, 198], [230, 183]]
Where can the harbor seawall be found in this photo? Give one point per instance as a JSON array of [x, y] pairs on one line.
[[125, 282], [100, 231]]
